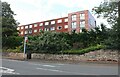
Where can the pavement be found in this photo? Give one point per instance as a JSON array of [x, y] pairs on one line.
[[17, 67]]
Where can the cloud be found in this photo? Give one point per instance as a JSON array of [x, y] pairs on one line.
[[38, 10]]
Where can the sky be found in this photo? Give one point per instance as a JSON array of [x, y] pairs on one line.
[[31, 11]]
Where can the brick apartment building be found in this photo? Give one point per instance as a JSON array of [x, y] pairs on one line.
[[73, 22]]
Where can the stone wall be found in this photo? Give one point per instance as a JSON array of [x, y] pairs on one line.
[[13, 55], [99, 55]]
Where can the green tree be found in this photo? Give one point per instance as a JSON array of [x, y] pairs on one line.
[[9, 27], [110, 10]]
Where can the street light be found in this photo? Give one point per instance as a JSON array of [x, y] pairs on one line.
[[25, 40]]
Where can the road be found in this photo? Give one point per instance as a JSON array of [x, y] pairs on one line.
[[15, 67]]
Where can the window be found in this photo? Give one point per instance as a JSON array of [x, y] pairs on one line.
[[40, 30], [80, 30], [66, 20], [52, 22], [59, 27], [46, 23], [22, 32], [41, 24], [74, 25], [35, 31], [82, 24], [52, 28], [46, 29], [18, 28], [26, 32], [30, 31], [74, 17], [30, 26], [66, 26], [26, 27], [35, 25], [22, 27], [59, 21], [82, 16]]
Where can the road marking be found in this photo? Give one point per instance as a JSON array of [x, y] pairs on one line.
[[76, 73], [48, 65], [7, 70], [42, 65]]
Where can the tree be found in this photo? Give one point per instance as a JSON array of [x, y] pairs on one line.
[[110, 10], [9, 27]]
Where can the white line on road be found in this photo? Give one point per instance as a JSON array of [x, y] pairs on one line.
[[64, 71], [48, 66], [7, 70]]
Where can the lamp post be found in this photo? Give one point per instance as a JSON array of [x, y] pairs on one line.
[[25, 40]]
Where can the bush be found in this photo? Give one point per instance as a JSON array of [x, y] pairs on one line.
[[17, 50], [83, 51]]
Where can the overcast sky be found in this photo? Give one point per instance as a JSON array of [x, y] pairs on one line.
[[30, 11]]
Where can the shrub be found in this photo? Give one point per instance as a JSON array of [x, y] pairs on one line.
[[83, 51]]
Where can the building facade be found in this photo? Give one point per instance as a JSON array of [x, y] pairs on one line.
[[75, 21]]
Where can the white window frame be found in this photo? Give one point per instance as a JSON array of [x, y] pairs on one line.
[[22, 27], [82, 22], [41, 24], [26, 32], [35, 25], [59, 21], [52, 28], [74, 25], [30, 26], [66, 20], [52, 22], [46, 29], [35, 31], [30, 31], [18, 28], [40, 30], [26, 27], [66, 26], [74, 17], [21, 32], [82, 16], [58, 27], [46, 23]]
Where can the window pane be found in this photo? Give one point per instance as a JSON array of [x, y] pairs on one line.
[[52, 22], [26, 32], [41, 24], [59, 21], [52, 28], [35, 25], [21, 27], [35, 30], [66, 26], [74, 17], [30, 26], [74, 25], [30, 31], [66, 20], [18, 28], [26, 27], [46, 23], [82, 16], [22, 32]]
